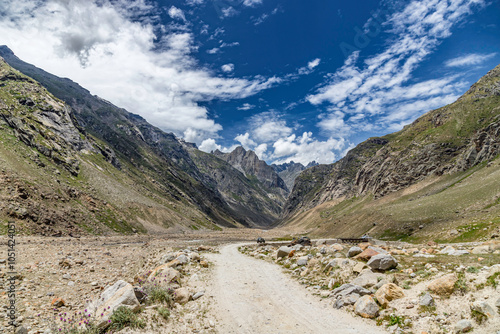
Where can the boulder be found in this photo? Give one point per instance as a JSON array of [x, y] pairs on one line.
[[484, 308], [366, 255], [463, 326], [382, 262], [320, 242], [302, 261], [347, 289], [283, 251], [115, 296], [358, 268], [337, 247], [388, 292], [182, 295], [484, 249], [443, 285], [366, 307], [427, 300], [353, 251], [165, 274], [194, 256], [182, 259], [366, 279]]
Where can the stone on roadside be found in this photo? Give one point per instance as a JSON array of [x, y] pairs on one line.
[[181, 295], [366, 255], [484, 308], [358, 268], [382, 262], [183, 259], [204, 264], [347, 289], [198, 295], [194, 256], [302, 261], [57, 302], [353, 251], [443, 285], [427, 300], [463, 326], [366, 279], [366, 307], [119, 294], [338, 247], [388, 292], [283, 251], [165, 274]]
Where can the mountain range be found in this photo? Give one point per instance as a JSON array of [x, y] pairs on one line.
[[73, 163]]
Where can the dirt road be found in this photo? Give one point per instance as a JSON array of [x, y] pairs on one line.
[[253, 296]]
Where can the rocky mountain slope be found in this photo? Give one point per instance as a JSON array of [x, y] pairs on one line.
[[289, 171], [441, 145], [148, 161]]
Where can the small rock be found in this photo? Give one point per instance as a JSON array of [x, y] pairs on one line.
[[198, 295], [353, 251], [484, 308], [382, 262], [21, 330], [427, 300], [58, 302], [194, 256], [443, 285], [366, 255], [463, 326], [66, 276], [283, 251], [366, 307], [388, 292], [181, 295], [302, 261], [204, 264], [182, 259]]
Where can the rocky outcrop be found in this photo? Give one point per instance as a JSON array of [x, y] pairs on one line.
[[39, 120], [289, 171], [250, 165]]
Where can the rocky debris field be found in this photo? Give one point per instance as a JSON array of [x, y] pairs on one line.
[[78, 285], [404, 288]]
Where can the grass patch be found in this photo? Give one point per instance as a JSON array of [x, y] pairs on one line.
[[461, 283], [164, 312], [479, 317], [158, 294], [125, 317], [492, 280]]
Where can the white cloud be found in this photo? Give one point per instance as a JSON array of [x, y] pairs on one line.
[[305, 149], [213, 51], [380, 84], [245, 141], [176, 13], [209, 145], [103, 47], [246, 106], [229, 11], [251, 3], [468, 60], [194, 2], [227, 68], [269, 126], [313, 63]]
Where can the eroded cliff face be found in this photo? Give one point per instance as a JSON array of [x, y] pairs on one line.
[[444, 141], [250, 165], [39, 120]]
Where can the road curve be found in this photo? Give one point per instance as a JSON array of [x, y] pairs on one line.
[[254, 296]]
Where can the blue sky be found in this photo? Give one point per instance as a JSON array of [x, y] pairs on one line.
[[292, 80]]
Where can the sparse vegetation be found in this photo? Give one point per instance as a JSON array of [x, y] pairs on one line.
[[124, 317]]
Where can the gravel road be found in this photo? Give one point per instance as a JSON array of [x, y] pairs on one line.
[[254, 296]]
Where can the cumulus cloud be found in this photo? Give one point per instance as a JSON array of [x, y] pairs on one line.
[[380, 85], [106, 47], [227, 68], [470, 59]]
